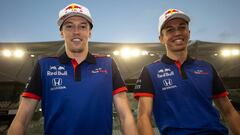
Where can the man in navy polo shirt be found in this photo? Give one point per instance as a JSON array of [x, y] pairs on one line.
[[179, 89], [77, 89]]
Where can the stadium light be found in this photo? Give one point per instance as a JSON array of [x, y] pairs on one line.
[[32, 55], [135, 52], [130, 52], [18, 53], [116, 53], [7, 53], [125, 52], [228, 52], [235, 52], [152, 54], [144, 53]]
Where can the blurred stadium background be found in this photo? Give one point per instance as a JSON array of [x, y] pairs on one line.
[[17, 61]]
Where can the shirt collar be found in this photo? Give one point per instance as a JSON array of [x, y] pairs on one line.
[[167, 60], [65, 59]]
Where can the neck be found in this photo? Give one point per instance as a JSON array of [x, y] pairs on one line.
[[79, 57], [178, 56]]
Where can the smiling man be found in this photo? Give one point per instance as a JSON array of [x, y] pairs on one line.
[[179, 90], [77, 89]]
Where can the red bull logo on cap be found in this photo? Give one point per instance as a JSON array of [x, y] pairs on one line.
[[73, 7], [170, 12], [73, 10]]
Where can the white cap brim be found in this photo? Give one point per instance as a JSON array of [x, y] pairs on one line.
[[64, 18], [163, 19]]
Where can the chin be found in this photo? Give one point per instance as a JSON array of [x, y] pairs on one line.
[[77, 50]]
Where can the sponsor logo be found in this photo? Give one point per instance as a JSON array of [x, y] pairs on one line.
[[49, 73], [57, 84], [57, 70], [170, 12], [200, 72], [168, 83], [73, 7], [61, 68], [53, 68], [166, 72], [56, 81], [138, 84], [99, 70]]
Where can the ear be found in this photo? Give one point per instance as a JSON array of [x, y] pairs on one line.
[[90, 34], [61, 33], [189, 34], [161, 39]]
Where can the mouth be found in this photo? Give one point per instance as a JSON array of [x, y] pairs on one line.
[[179, 40], [77, 40]]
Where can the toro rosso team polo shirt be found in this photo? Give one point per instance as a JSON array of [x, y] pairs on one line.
[[182, 96], [76, 99]]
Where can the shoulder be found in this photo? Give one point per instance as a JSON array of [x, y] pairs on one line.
[[97, 55], [202, 62], [102, 57], [48, 59], [155, 63]]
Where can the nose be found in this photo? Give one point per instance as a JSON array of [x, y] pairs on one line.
[[76, 29], [177, 32]]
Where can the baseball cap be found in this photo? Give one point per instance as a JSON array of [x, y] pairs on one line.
[[169, 15], [74, 10]]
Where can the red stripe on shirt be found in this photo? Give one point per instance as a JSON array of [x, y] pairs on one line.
[[119, 90], [31, 95], [137, 95], [223, 94]]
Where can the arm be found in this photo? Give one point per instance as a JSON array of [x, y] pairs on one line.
[[126, 118], [230, 115], [23, 116], [144, 116]]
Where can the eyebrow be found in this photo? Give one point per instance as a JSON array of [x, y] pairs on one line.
[[69, 22], [181, 24]]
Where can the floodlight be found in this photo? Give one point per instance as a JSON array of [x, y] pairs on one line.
[[226, 53], [135, 52], [7, 53], [235, 52], [144, 52], [32, 55], [125, 53], [151, 54], [116, 52], [18, 53]]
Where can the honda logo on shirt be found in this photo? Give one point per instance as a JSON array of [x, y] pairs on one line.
[[57, 81], [167, 82]]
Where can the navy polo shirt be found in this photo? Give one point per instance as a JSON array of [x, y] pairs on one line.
[[76, 98], [182, 96]]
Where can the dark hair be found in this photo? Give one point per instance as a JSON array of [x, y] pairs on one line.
[[91, 26]]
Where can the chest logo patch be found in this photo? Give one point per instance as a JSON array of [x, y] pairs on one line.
[[168, 84], [57, 71], [99, 70], [57, 84], [200, 72], [166, 72]]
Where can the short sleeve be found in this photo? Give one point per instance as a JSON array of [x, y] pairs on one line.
[[118, 83], [144, 86], [33, 87], [218, 89]]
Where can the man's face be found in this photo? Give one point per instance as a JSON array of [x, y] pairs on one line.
[[175, 35], [76, 32]]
